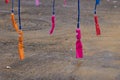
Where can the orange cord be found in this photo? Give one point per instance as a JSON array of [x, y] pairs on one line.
[[14, 22], [20, 45]]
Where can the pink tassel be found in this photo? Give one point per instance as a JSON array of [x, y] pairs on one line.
[[79, 50], [6, 1], [53, 24], [65, 3], [98, 32], [37, 2]]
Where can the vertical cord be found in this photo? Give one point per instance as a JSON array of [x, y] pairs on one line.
[[95, 8], [20, 43], [53, 7], [20, 27], [12, 6], [97, 3], [78, 24]]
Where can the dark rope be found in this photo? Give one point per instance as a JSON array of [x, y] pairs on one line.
[[97, 3], [53, 7], [78, 24], [12, 6], [20, 27]]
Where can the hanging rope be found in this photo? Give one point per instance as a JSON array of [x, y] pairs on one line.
[[53, 18], [14, 23], [98, 32], [79, 50], [20, 43]]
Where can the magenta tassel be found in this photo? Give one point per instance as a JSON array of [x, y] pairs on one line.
[[6, 1], [65, 3], [53, 24], [79, 50], [37, 2]]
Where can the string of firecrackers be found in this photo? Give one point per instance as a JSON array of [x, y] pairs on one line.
[[18, 30], [98, 31]]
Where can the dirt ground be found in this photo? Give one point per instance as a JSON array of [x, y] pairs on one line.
[[53, 57]]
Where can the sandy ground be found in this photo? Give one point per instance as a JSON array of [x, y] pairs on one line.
[[53, 57]]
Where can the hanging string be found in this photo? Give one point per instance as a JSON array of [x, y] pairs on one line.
[[98, 32], [52, 18], [19, 16], [20, 43], [97, 3], [13, 18], [53, 7], [79, 50], [78, 24], [95, 9], [12, 6]]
